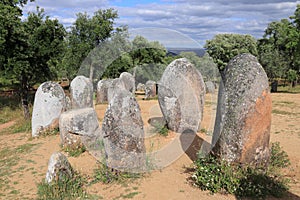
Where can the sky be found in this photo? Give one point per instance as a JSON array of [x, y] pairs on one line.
[[187, 23]]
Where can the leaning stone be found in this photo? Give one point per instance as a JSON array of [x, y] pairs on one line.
[[114, 87], [59, 168], [102, 90], [181, 96], [49, 103], [210, 87], [243, 121], [128, 81], [124, 134], [79, 127], [81, 92], [150, 89]]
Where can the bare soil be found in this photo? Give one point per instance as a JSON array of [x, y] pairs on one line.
[[19, 176]]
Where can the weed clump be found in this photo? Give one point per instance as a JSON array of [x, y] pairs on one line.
[[64, 188], [218, 176]]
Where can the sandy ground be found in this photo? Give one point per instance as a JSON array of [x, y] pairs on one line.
[[29, 167]]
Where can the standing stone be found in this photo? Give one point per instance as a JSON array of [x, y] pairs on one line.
[[79, 125], [128, 81], [124, 134], [49, 103], [102, 90], [115, 86], [181, 96], [242, 128], [274, 86], [210, 87], [81, 92], [59, 168], [150, 89], [140, 87]]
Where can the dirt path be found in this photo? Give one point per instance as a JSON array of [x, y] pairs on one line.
[[23, 160]]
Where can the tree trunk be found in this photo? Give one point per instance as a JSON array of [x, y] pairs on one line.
[[24, 97], [91, 72]]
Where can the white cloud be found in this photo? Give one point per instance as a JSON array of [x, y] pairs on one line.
[[200, 20]]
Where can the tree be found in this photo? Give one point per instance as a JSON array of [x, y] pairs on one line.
[[33, 49], [279, 49], [86, 34], [223, 47]]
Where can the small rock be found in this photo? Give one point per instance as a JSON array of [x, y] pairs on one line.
[[59, 168]]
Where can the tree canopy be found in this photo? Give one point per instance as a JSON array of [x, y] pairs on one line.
[[223, 47]]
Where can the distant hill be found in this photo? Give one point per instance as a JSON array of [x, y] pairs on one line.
[[177, 51]]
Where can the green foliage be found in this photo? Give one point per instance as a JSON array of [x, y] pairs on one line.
[[223, 47], [65, 188], [292, 75], [279, 158], [104, 174], [279, 50], [161, 129], [75, 149], [86, 33], [219, 176], [215, 176]]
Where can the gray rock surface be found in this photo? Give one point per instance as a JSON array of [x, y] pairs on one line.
[[49, 103], [79, 127], [59, 168], [102, 90], [150, 89], [81, 92], [243, 121], [114, 88], [140, 87], [128, 80], [181, 93], [124, 134], [210, 87]]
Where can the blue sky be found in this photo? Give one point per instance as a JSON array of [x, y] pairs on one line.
[[197, 20]]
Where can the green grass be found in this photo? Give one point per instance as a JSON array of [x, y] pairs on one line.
[[64, 188], [106, 175], [289, 89], [282, 112], [10, 157], [218, 176], [75, 149]]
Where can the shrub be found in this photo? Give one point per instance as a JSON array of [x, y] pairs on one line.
[[218, 176]]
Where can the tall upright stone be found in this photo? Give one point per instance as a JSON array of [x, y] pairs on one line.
[[81, 92], [116, 85], [181, 93], [49, 103], [128, 81], [243, 121], [210, 87], [150, 89], [123, 133], [102, 90]]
